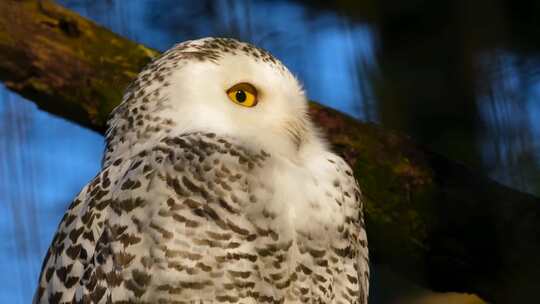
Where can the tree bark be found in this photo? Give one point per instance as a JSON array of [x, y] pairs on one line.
[[66, 64], [431, 219]]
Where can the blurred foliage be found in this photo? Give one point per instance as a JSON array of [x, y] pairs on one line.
[[461, 77]]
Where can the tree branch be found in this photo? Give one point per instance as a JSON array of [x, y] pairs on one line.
[[66, 64], [431, 219]]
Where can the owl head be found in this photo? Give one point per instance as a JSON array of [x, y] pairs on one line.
[[214, 85]]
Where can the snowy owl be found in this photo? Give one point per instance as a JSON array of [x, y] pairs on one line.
[[215, 188]]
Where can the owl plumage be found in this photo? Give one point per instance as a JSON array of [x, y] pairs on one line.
[[215, 188]]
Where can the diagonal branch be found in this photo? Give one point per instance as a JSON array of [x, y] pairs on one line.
[[66, 64], [429, 218]]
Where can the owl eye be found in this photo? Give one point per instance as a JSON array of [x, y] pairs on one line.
[[243, 94]]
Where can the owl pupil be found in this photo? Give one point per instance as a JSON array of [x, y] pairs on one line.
[[241, 96]]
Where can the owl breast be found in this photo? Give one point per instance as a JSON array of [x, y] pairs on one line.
[[243, 225], [200, 218]]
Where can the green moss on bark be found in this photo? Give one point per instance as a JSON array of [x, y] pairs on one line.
[[68, 65]]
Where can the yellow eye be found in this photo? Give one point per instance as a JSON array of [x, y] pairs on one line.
[[243, 94]]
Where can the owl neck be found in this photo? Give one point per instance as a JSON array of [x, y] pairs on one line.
[[130, 144], [130, 133]]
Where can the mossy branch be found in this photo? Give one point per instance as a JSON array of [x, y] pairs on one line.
[[430, 219], [66, 64]]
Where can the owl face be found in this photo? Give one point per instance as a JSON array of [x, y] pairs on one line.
[[214, 85], [241, 95]]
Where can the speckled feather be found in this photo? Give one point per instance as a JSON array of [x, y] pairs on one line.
[[187, 214]]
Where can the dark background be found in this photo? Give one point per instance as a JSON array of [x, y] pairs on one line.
[[461, 77]]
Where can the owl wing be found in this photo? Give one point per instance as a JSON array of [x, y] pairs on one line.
[[85, 261], [363, 256], [351, 189], [120, 230], [74, 268], [73, 247]]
